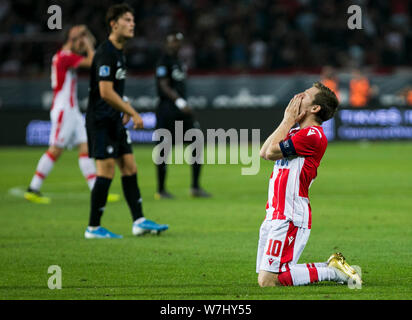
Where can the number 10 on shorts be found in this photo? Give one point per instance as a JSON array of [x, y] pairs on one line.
[[274, 248]]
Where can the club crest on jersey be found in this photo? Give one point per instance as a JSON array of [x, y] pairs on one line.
[[120, 74], [271, 261], [178, 75], [104, 71]]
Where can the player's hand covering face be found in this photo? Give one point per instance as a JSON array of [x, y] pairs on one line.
[[293, 111], [76, 37]]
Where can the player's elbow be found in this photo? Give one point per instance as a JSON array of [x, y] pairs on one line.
[[262, 154], [271, 155]]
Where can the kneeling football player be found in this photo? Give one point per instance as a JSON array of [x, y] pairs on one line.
[[297, 153]]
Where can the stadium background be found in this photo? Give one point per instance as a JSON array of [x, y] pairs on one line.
[[251, 56], [246, 60]]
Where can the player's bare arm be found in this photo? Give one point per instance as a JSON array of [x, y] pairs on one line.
[[114, 100], [271, 149]]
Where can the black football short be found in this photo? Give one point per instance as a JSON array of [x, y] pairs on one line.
[[108, 140]]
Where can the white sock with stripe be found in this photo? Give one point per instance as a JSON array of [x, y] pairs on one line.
[[317, 264], [44, 166], [300, 275], [88, 169]]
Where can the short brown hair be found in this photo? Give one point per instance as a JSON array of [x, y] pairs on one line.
[[116, 11], [327, 101]]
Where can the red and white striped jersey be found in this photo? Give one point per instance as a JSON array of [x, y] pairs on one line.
[[64, 79], [292, 176]]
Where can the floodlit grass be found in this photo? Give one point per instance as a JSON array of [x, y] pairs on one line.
[[361, 202]]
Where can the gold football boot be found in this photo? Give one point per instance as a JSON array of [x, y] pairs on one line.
[[343, 269]]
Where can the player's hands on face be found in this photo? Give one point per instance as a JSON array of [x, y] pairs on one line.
[[293, 111], [87, 42], [137, 121], [91, 38], [87, 37]]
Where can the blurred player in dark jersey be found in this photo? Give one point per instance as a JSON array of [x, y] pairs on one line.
[[107, 113], [171, 90]]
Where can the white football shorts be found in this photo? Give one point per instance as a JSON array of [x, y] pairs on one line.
[[280, 245], [67, 128]]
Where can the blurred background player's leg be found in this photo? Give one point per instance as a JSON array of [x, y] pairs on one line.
[[44, 167], [161, 169], [88, 169], [196, 191], [164, 120]]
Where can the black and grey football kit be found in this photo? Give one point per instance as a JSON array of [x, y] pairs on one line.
[[167, 113], [169, 67], [107, 137]]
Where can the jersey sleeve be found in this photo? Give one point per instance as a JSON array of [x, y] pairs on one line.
[[162, 69], [105, 67], [71, 60], [305, 143]]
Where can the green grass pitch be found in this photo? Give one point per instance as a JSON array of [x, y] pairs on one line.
[[361, 203]]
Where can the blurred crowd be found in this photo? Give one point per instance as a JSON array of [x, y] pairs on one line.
[[247, 35]]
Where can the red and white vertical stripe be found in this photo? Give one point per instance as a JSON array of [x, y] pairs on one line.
[[284, 197]]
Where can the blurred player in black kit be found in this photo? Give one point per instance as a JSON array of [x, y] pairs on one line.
[[109, 141], [171, 89]]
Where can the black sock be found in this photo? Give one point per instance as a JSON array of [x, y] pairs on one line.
[[132, 194], [195, 175], [161, 177], [98, 200]]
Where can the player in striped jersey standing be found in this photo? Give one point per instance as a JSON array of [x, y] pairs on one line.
[[297, 153], [68, 128]]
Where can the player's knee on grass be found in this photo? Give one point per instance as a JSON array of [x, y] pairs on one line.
[[268, 279]]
